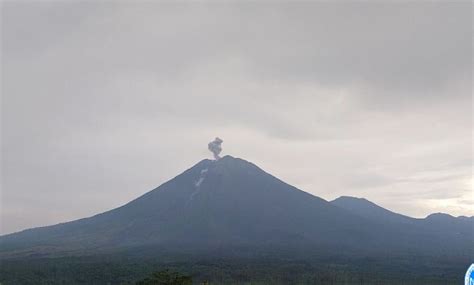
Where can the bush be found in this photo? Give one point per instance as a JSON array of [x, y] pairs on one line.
[[166, 277]]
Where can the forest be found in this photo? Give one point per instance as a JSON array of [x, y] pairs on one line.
[[124, 270]]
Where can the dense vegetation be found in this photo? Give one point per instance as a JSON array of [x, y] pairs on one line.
[[231, 271], [166, 277]]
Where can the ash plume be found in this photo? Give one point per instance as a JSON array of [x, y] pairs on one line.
[[215, 147]]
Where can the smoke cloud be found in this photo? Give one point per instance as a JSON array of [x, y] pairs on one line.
[[215, 147]]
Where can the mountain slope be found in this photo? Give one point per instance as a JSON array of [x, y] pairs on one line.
[[228, 202], [225, 205], [369, 210], [440, 226]]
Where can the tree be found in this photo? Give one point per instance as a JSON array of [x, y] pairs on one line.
[[166, 277]]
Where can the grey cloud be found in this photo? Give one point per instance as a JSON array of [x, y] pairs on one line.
[[345, 99]]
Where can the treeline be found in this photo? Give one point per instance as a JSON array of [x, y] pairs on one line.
[[127, 271]]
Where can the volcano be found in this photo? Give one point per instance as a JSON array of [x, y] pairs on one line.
[[231, 205]]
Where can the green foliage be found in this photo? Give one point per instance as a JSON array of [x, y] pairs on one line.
[[166, 277], [128, 271]]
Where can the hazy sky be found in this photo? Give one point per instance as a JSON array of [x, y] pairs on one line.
[[102, 102]]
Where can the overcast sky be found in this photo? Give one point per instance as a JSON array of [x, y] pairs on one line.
[[102, 102]]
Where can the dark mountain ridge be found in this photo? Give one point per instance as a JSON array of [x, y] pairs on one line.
[[231, 203], [367, 209]]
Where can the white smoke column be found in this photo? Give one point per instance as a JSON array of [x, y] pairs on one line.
[[215, 147]]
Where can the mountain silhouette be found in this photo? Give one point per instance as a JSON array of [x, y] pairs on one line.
[[369, 210], [231, 205]]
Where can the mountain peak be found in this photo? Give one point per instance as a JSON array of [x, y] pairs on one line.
[[228, 159], [353, 202], [440, 216], [228, 165], [224, 162], [352, 199], [367, 209], [229, 203]]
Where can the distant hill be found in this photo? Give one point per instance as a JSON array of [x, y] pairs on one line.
[[438, 224], [231, 206], [369, 210]]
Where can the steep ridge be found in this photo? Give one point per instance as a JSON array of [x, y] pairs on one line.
[[227, 204]]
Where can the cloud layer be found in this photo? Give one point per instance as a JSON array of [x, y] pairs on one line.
[[360, 99]]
